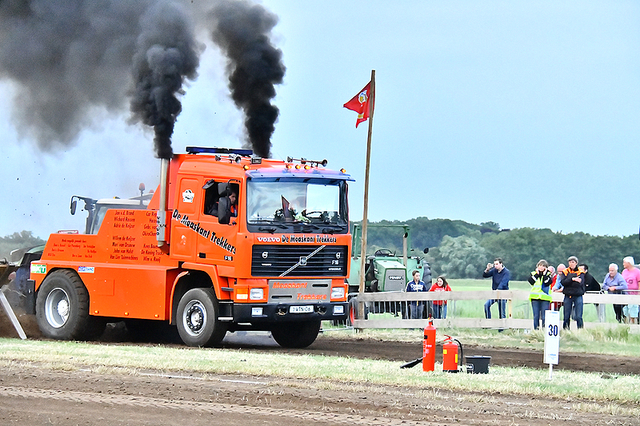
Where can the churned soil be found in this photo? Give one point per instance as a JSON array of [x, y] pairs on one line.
[[31, 394]]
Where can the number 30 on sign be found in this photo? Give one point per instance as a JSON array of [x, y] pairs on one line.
[[551, 337]]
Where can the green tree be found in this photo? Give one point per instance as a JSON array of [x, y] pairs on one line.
[[459, 257], [18, 240]]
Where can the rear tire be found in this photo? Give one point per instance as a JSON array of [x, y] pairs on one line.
[[296, 334], [197, 318], [62, 308]]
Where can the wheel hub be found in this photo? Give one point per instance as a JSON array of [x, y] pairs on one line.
[[57, 308], [63, 308], [195, 317]]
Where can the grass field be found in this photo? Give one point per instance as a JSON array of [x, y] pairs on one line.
[[329, 372]]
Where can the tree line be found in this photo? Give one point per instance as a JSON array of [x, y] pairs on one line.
[[458, 249], [18, 240]]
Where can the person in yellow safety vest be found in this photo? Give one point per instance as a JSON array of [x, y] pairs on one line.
[[540, 298]]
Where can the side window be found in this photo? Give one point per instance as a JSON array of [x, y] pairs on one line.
[[221, 200], [211, 197]]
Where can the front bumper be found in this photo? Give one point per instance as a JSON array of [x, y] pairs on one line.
[[281, 312]]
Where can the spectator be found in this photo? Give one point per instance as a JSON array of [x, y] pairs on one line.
[[614, 283], [573, 289], [416, 285], [440, 306], [499, 281], [540, 298], [557, 286], [631, 275], [593, 286]]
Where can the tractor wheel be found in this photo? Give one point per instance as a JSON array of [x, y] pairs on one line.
[[296, 334], [62, 308], [197, 318]]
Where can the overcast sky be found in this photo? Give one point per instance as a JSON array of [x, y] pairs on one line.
[[521, 113]]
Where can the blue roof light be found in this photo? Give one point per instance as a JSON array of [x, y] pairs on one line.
[[215, 150]]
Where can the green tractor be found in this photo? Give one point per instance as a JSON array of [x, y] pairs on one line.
[[384, 270]]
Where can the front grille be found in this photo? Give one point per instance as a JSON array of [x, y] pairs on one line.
[[275, 260]]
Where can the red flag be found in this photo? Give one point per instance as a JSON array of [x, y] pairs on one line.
[[360, 104]]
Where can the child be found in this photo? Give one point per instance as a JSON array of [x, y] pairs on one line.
[[440, 306]]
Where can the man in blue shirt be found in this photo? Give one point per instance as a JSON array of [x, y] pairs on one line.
[[499, 281]]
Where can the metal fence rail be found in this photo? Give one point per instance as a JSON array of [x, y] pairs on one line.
[[392, 309]]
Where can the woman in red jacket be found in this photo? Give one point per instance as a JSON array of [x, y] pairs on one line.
[[440, 306]]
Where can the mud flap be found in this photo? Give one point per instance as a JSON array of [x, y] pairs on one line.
[[30, 294]]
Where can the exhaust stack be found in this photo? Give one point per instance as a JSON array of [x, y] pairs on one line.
[[161, 224]]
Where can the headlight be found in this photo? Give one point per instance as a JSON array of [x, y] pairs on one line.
[[256, 294], [337, 293]]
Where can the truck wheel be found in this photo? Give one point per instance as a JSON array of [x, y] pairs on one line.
[[296, 334], [197, 318], [62, 308]]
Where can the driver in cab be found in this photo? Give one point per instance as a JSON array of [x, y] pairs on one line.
[[228, 208]]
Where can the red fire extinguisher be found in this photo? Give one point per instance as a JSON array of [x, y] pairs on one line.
[[450, 355], [429, 348]]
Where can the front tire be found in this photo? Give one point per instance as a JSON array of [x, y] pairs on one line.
[[197, 318], [62, 308], [296, 334]]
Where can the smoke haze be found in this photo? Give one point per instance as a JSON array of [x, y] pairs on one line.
[[70, 59]]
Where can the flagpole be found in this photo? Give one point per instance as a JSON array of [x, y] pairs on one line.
[[363, 249]]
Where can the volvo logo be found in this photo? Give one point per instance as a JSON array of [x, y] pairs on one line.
[[303, 260], [265, 254]]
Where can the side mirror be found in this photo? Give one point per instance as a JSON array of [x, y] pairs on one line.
[[426, 250], [74, 203]]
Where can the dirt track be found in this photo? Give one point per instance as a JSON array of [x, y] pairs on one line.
[[32, 395]]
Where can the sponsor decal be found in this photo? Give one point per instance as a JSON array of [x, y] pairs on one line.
[[206, 233], [86, 269], [38, 269], [188, 196], [311, 296], [298, 238], [279, 284]]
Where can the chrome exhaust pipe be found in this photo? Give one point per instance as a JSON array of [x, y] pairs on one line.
[[161, 224]]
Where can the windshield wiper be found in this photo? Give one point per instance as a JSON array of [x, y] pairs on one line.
[[333, 228], [267, 222], [307, 225]]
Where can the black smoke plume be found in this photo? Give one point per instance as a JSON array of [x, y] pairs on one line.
[[242, 30], [166, 54]]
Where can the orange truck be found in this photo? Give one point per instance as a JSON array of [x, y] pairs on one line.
[[228, 242]]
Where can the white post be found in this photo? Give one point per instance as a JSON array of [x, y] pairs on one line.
[[551, 339]]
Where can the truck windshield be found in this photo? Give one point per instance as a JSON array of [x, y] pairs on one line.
[[296, 202]]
